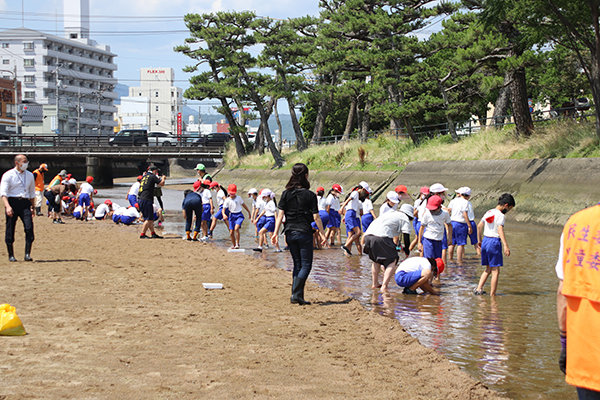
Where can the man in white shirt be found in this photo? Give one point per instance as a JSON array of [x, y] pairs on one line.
[[17, 189]]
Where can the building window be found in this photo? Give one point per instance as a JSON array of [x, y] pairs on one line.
[[29, 95], [5, 45], [155, 94], [172, 94], [28, 78], [156, 122], [28, 62], [172, 108], [28, 46], [156, 108], [5, 62], [140, 93]]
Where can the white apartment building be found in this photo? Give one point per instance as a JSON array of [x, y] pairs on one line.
[[72, 71], [159, 95]]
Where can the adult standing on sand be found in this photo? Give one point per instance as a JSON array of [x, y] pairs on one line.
[[17, 189], [299, 207], [146, 200], [578, 301]]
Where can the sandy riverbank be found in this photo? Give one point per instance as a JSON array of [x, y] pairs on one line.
[[112, 316]]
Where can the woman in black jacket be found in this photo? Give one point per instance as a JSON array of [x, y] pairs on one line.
[[299, 206]]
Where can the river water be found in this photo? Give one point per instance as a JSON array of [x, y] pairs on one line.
[[510, 342]]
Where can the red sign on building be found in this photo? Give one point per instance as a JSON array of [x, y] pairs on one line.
[[179, 126]]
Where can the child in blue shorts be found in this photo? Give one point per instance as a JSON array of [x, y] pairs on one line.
[[332, 204], [234, 204], [461, 225], [418, 272], [491, 227], [351, 208], [431, 232]]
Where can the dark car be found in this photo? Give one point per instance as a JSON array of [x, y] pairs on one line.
[[130, 137], [213, 140]]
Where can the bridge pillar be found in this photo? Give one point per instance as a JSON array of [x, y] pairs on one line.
[[101, 170]]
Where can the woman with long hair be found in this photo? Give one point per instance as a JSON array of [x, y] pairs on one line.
[[299, 207]]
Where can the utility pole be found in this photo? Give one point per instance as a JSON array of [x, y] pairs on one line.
[[57, 83], [16, 102], [78, 111]]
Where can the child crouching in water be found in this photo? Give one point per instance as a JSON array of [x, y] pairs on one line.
[[491, 227]]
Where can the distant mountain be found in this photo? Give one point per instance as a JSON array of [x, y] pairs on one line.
[[122, 91]]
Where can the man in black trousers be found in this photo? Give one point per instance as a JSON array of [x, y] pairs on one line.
[[17, 189]]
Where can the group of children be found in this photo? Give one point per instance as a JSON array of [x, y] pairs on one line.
[[440, 230]]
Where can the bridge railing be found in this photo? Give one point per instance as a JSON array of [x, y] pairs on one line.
[[56, 142]]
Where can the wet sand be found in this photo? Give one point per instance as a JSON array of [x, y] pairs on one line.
[[111, 316]]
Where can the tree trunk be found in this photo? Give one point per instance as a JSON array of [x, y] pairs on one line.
[[264, 117], [411, 131], [320, 121], [502, 102], [595, 85], [520, 105], [350, 120], [366, 120], [259, 145], [451, 127], [300, 140], [242, 122], [280, 136]]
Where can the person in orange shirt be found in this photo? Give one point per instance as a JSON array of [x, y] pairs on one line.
[[578, 302], [38, 176]]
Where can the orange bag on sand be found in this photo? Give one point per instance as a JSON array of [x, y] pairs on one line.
[[10, 323]]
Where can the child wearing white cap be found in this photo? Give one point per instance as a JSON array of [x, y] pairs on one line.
[[351, 208], [461, 226], [391, 203]]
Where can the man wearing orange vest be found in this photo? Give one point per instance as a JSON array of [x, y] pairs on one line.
[[578, 301], [38, 175]]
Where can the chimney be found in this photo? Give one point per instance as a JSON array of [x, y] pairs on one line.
[[77, 19]]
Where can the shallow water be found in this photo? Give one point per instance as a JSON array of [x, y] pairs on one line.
[[510, 343]]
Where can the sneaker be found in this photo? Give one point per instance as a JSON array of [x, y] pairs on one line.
[[408, 291], [144, 237], [478, 292], [258, 249], [155, 236], [204, 238], [346, 250], [278, 251], [60, 221]]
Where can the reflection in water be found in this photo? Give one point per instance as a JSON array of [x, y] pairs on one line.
[[509, 343]]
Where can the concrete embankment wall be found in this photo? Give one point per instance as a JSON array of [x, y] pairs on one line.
[[546, 191]]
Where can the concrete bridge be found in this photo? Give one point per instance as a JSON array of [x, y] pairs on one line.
[[91, 155]]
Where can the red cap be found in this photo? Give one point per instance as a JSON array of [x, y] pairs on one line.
[[232, 188], [214, 184], [206, 182], [401, 189], [197, 185], [424, 190], [440, 265], [95, 191], [89, 179], [108, 202], [137, 205], [69, 176], [320, 189], [434, 202], [139, 178], [337, 188], [65, 198]]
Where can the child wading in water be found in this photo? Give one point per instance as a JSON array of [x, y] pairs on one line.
[[234, 205], [492, 228], [268, 212], [332, 204], [351, 209]]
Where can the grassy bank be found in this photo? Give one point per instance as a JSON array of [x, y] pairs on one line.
[[557, 140]]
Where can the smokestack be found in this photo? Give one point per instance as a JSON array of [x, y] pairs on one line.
[[77, 19]]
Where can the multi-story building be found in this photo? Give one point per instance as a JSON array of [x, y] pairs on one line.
[[72, 72], [8, 105], [159, 95]]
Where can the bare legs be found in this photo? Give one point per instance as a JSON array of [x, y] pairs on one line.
[[495, 272]]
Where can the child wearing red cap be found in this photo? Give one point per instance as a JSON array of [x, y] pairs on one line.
[[84, 196], [431, 232], [207, 207], [332, 204], [491, 227], [418, 272], [104, 210], [134, 189], [234, 205]]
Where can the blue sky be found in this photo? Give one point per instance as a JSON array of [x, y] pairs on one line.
[[143, 50]]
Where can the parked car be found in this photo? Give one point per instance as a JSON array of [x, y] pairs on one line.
[[161, 139], [213, 139], [130, 137]]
